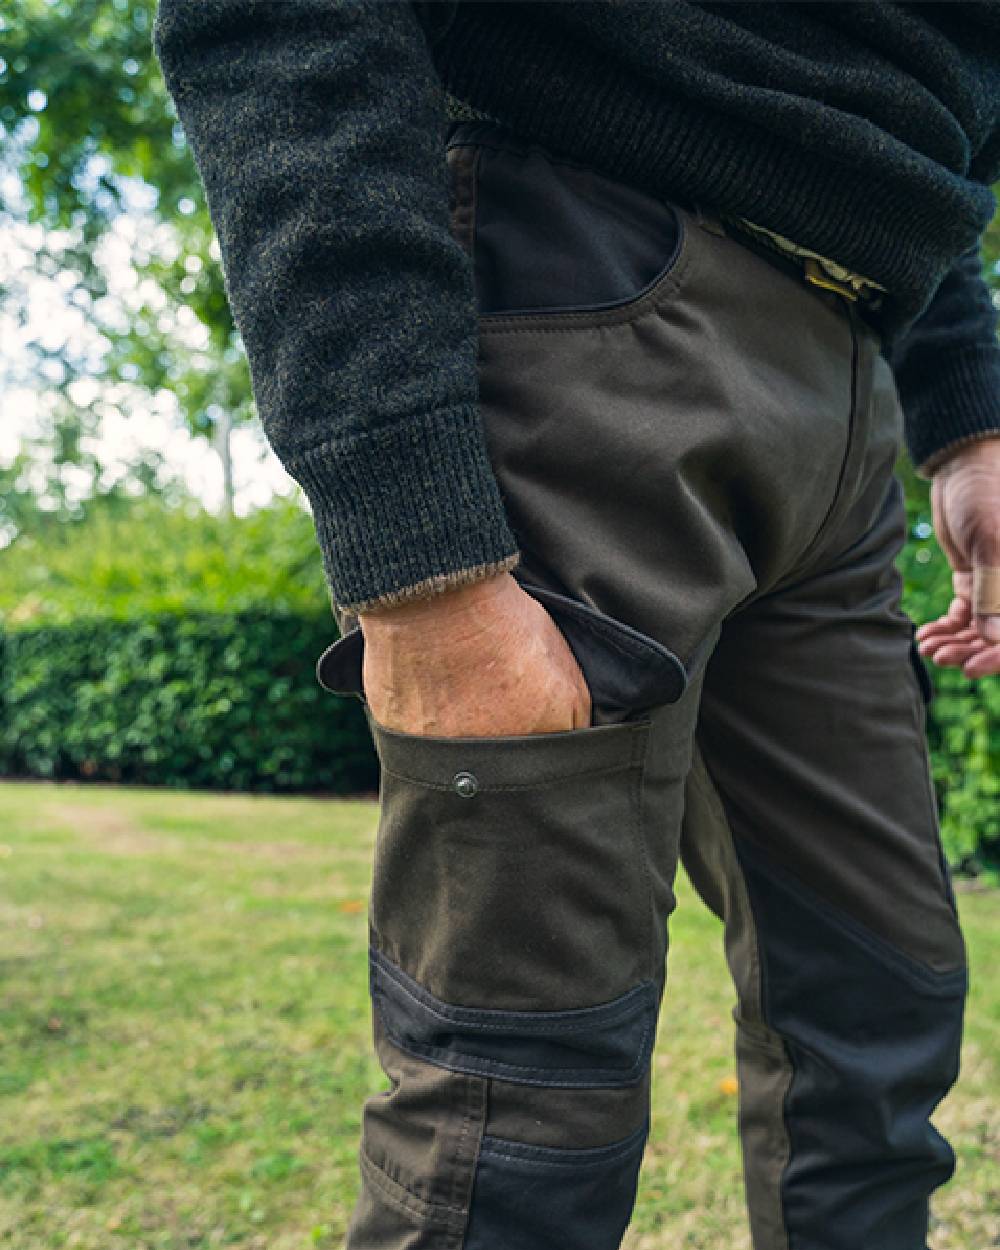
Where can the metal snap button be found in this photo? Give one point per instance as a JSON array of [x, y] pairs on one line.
[[465, 785]]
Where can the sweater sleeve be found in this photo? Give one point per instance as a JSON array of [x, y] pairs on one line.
[[947, 367], [317, 127]]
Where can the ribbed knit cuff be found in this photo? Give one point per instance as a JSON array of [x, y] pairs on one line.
[[960, 404], [406, 511]]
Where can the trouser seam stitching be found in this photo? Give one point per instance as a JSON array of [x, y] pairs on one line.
[[474, 1094], [501, 1019], [408, 1201], [918, 974], [852, 424], [639, 753], [513, 788], [799, 567]]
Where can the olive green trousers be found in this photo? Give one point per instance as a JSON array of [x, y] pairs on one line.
[[696, 451]]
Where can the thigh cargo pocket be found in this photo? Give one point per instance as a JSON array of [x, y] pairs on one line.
[[512, 950], [510, 873]]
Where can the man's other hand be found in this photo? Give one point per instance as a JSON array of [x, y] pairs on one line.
[[965, 499], [481, 660]]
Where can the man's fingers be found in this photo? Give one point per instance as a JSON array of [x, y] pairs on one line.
[[952, 652], [933, 642], [968, 640], [961, 656], [986, 663], [945, 625], [956, 619], [961, 642]]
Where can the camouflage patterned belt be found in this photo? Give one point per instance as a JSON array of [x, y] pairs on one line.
[[818, 270]]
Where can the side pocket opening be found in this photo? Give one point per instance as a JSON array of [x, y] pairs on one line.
[[922, 673], [556, 238], [627, 671]]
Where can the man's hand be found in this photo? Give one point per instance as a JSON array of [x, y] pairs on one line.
[[965, 499], [478, 661]]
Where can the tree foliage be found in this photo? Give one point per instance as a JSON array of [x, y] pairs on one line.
[[90, 133]]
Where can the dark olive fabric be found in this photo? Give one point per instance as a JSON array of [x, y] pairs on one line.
[[700, 472], [478, 896]]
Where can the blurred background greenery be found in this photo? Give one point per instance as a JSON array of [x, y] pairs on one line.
[[145, 637]]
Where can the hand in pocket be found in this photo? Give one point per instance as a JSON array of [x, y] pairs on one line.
[[484, 660]]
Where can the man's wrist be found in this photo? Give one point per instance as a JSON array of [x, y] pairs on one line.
[[985, 446], [959, 452], [450, 601]]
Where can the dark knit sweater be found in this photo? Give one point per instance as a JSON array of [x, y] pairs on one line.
[[868, 132]]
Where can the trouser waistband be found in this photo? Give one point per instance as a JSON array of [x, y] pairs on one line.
[[806, 268], [782, 253]]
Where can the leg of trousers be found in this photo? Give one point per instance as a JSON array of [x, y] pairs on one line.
[[696, 452]]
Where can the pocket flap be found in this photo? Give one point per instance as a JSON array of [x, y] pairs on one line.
[[339, 669], [627, 671]]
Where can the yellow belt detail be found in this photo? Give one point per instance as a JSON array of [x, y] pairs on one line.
[[820, 270]]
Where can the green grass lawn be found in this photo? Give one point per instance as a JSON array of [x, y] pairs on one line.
[[184, 1035]]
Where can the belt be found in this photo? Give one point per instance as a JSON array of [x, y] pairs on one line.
[[808, 266]]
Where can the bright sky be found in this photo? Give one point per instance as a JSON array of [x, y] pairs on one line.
[[131, 420]]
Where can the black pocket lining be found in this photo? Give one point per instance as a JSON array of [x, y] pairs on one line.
[[391, 986], [491, 135], [636, 303], [659, 676], [666, 285], [924, 680]]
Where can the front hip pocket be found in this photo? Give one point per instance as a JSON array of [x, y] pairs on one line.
[[553, 240]]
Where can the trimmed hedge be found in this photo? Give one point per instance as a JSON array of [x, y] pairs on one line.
[[169, 647], [199, 700], [963, 730]]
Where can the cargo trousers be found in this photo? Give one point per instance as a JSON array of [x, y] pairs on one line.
[[696, 451]]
